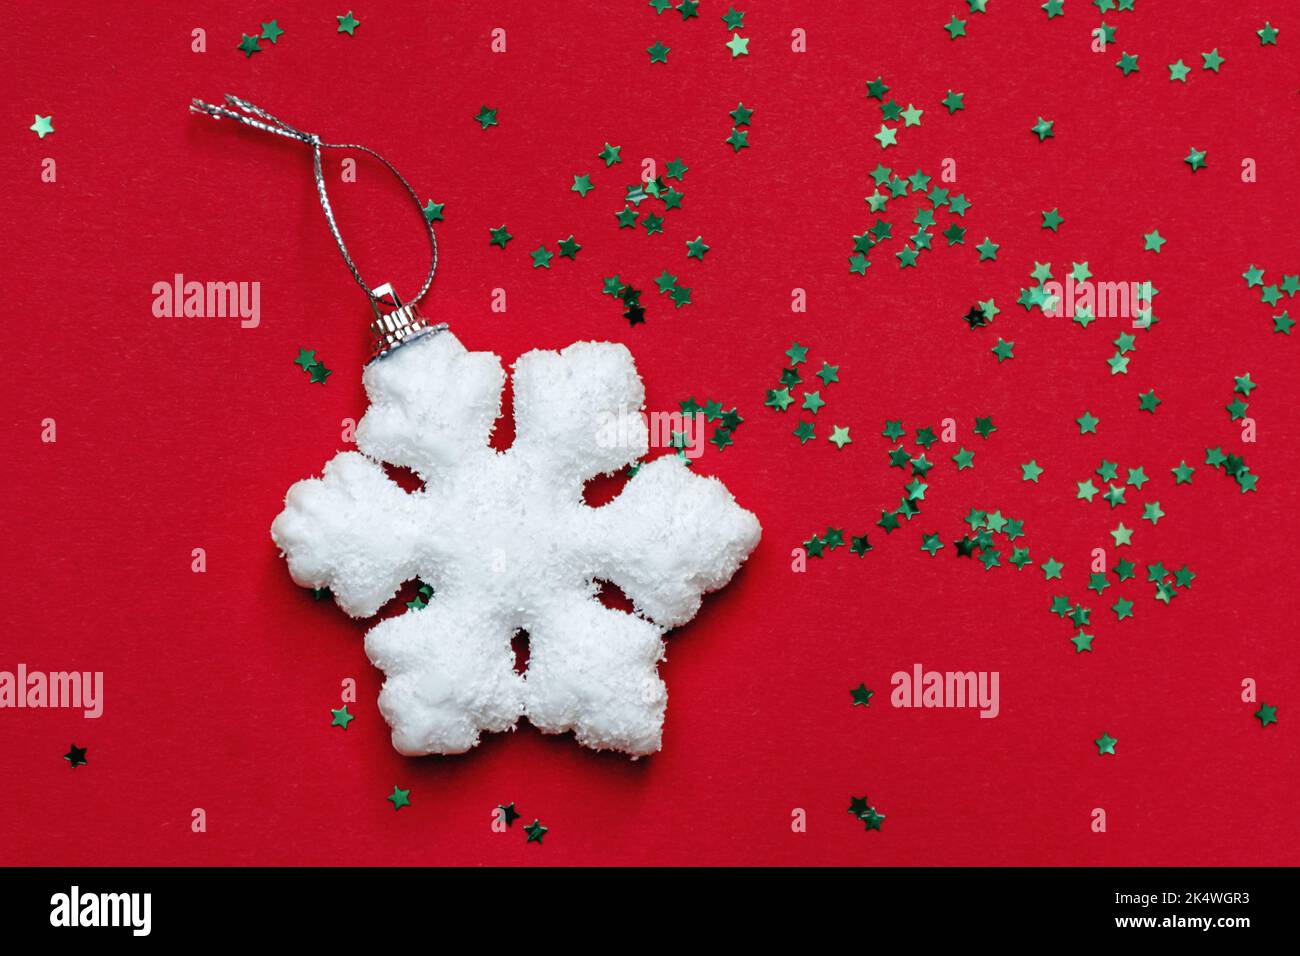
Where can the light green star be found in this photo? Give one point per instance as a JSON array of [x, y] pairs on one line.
[[347, 24], [738, 45], [840, 436], [43, 126]]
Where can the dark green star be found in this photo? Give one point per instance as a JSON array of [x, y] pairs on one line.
[[541, 257], [347, 24], [248, 45], [535, 831], [658, 53], [341, 717], [860, 545], [271, 31], [861, 696], [500, 236], [1105, 744], [569, 248], [696, 248], [76, 756], [486, 117], [1266, 714], [1195, 159], [738, 140], [399, 798], [1043, 129]]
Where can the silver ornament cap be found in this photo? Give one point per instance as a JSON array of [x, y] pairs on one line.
[[395, 324]]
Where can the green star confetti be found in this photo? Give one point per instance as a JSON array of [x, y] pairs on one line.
[[348, 24], [341, 717], [399, 798]]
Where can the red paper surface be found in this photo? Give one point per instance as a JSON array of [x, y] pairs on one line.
[[174, 434]]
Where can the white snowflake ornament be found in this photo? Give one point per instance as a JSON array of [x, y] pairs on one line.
[[508, 544]]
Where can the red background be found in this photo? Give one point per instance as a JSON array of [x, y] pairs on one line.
[[175, 434]]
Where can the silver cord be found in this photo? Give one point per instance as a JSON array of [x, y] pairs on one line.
[[258, 118]]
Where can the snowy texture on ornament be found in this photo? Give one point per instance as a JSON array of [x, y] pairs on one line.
[[508, 543]]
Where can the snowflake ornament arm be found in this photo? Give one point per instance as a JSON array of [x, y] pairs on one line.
[[509, 544]]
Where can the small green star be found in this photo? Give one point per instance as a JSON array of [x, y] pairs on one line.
[[541, 257], [912, 116], [696, 248], [1127, 64], [569, 248], [1267, 35], [1087, 490], [956, 28], [805, 432], [500, 236], [1154, 241], [535, 831], [733, 18], [861, 696], [931, 544], [828, 373], [486, 117], [341, 717], [1030, 471], [840, 436], [872, 819], [1178, 72], [1151, 512], [1211, 60], [433, 211], [1148, 402], [399, 798], [1043, 129], [1237, 410], [1003, 350], [658, 52], [812, 402], [860, 545], [1082, 642], [1105, 744], [738, 45], [1088, 423], [887, 137], [1195, 159], [1052, 569], [246, 45], [984, 427], [1123, 536], [43, 126], [1052, 220], [271, 31], [348, 24], [1123, 608], [954, 102], [1183, 473], [306, 359], [1054, 8], [610, 155], [987, 249], [582, 184], [738, 140], [319, 373], [740, 115], [1266, 714]]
